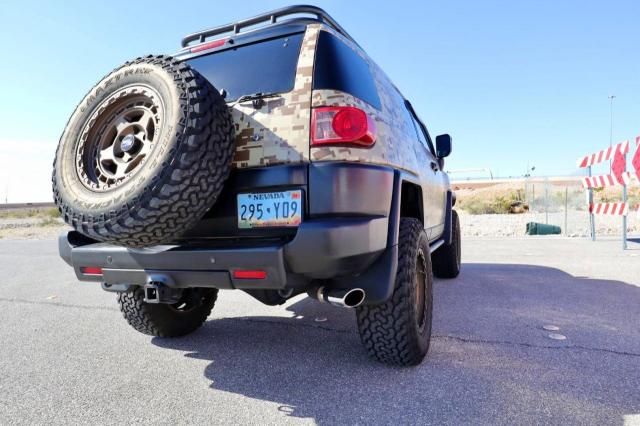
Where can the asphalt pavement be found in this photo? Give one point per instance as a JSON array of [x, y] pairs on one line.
[[67, 356]]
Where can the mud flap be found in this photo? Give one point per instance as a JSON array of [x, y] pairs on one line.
[[378, 280], [447, 236]]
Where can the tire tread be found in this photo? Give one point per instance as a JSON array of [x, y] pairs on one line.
[[158, 319], [388, 330], [188, 185]]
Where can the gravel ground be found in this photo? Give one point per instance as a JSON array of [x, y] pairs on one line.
[[30, 228], [514, 225], [68, 357], [485, 225]]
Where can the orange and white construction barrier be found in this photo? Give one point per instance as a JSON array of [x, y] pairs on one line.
[[618, 176], [604, 155], [613, 209], [603, 181], [635, 162]]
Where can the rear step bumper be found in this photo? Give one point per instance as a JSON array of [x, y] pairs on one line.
[[321, 249]]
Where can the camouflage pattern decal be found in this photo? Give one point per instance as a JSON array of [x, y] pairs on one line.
[[278, 132], [393, 124]]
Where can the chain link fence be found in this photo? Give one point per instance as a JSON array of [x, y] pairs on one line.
[[504, 209]]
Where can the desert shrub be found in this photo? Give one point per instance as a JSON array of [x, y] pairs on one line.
[[489, 203], [50, 221], [49, 212], [52, 212]]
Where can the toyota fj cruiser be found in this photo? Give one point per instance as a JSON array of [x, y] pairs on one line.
[[271, 155]]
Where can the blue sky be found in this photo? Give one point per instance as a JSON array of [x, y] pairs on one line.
[[513, 82]]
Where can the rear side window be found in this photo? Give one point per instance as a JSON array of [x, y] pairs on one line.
[[421, 131], [338, 67], [266, 66]]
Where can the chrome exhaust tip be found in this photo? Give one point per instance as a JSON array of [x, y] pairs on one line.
[[349, 298]]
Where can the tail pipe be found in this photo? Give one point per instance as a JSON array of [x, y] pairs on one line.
[[344, 298]]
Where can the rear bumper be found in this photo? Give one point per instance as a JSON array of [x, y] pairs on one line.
[[321, 249], [348, 235]]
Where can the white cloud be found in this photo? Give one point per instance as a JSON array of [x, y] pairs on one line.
[[25, 170]]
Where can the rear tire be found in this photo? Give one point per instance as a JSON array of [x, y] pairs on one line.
[[446, 260], [398, 331], [165, 320]]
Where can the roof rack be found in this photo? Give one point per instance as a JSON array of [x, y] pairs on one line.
[[271, 18]]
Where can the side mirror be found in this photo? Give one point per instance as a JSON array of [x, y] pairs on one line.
[[443, 146]]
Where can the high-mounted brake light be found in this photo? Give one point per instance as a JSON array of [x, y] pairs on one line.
[[209, 45], [342, 125], [249, 274], [91, 270]]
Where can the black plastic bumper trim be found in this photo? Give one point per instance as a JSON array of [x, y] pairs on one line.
[[330, 248], [321, 249], [343, 188]]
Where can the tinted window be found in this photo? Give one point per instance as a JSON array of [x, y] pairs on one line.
[[421, 131], [266, 67], [338, 67]]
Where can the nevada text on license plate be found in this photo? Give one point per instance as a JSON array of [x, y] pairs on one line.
[[264, 209]]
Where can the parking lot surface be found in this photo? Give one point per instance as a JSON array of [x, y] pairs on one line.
[[68, 356]]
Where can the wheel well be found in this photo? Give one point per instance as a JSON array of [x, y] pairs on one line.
[[411, 201]]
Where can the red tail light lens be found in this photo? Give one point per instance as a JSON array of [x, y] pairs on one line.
[[249, 274], [91, 270], [342, 125]]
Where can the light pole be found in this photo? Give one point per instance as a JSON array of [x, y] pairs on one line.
[[611, 98]]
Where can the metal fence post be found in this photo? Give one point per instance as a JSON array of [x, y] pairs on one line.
[[533, 196], [592, 223], [566, 211], [625, 200], [624, 218], [546, 203]]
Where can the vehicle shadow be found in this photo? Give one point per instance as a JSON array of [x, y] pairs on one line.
[[489, 352]]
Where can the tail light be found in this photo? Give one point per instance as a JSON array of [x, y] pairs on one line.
[[91, 270], [342, 125]]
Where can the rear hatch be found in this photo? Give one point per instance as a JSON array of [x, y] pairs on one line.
[[273, 127], [266, 80]]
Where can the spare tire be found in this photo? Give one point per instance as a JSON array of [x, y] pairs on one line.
[[144, 155]]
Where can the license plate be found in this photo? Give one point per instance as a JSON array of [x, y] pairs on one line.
[[265, 209]]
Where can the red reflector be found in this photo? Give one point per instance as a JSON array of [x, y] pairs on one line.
[[249, 274], [91, 270], [210, 45], [342, 125]]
